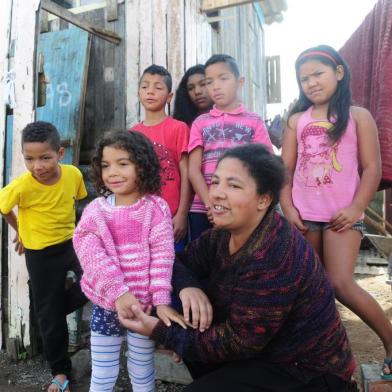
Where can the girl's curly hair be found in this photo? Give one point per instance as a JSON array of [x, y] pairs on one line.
[[141, 153]]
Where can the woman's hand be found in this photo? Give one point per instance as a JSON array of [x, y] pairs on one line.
[[18, 244], [292, 215], [345, 218], [140, 323], [124, 305], [167, 313], [195, 301]]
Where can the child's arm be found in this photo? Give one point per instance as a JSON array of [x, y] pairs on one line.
[[124, 305], [180, 219], [370, 161], [103, 280], [166, 313], [262, 136], [13, 222], [161, 242], [289, 156], [197, 179]]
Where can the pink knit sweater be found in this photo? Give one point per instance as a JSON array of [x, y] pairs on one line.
[[126, 248]]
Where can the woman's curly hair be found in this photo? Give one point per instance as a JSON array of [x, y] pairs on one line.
[[141, 153]]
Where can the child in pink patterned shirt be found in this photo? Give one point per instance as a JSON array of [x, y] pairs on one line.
[[124, 242], [228, 124]]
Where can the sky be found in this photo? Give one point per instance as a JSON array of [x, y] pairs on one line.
[[309, 23]]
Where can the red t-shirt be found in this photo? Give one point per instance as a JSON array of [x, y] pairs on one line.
[[170, 139]]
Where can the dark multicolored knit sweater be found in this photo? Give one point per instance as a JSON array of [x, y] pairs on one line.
[[271, 300]]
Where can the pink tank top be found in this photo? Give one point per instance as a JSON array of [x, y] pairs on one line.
[[326, 175]]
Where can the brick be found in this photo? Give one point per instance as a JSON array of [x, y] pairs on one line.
[[372, 381], [380, 386]]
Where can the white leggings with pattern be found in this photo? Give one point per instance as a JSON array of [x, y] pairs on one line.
[[105, 359]]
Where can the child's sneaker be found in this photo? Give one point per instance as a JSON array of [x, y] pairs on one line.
[[70, 279]]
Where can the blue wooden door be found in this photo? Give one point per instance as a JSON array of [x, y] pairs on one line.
[[66, 57]]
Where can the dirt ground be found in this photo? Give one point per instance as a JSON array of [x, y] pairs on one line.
[[31, 375], [366, 346]]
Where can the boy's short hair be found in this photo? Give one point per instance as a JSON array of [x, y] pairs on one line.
[[159, 70], [41, 132], [224, 58]]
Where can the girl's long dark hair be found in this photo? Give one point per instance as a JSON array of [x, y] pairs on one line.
[[339, 105], [184, 109]]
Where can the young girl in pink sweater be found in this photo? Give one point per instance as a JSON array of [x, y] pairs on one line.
[[124, 242]]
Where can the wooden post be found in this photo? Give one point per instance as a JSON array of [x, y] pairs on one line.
[[44, 22], [132, 60], [5, 30], [68, 16], [111, 10], [159, 33], [176, 41], [213, 5], [191, 20], [26, 17]]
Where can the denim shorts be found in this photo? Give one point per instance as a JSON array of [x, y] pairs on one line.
[[321, 226]]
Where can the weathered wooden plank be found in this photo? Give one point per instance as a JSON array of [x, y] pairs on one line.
[[5, 27], [132, 61], [213, 5], [111, 10], [66, 56], [26, 26], [63, 13], [191, 20], [105, 95], [145, 15], [176, 61], [145, 39], [44, 22], [8, 148], [159, 32]]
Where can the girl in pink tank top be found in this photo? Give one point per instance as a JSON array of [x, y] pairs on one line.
[[325, 143]]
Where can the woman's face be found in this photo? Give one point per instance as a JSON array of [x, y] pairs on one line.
[[235, 203], [197, 91]]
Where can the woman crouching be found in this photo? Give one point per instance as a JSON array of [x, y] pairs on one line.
[[267, 319]]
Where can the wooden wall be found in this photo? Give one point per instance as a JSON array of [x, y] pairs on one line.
[[242, 37], [171, 33], [5, 27], [24, 32]]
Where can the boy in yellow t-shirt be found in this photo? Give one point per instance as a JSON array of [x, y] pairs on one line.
[[46, 197]]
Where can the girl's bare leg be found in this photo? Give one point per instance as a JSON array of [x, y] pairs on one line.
[[340, 252]]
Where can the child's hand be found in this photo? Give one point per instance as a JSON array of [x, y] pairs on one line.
[[18, 244], [209, 214], [124, 305], [167, 313], [292, 215], [180, 226], [345, 218]]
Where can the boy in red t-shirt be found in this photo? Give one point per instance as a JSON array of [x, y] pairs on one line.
[[170, 139]]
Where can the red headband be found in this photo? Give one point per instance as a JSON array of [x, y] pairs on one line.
[[319, 53]]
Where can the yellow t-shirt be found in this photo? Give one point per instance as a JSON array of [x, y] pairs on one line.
[[46, 213]]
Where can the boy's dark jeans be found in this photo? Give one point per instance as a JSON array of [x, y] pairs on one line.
[[52, 302]]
